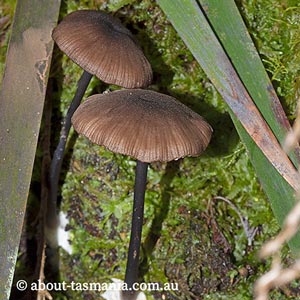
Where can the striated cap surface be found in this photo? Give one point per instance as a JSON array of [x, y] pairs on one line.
[[144, 124], [102, 46]]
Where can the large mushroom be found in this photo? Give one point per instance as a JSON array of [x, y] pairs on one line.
[[149, 127], [102, 46]]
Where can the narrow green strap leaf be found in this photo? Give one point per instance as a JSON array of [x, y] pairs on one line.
[[280, 194], [192, 26], [21, 106], [228, 25], [232, 32]]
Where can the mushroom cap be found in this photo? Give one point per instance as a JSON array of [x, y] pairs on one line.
[[146, 125], [102, 46]]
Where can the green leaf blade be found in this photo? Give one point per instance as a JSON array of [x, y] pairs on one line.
[[21, 107], [280, 180], [232, 32]]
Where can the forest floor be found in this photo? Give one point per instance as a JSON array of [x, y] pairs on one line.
[[191, 236]]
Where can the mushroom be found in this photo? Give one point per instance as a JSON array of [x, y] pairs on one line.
[[102, 46], [149, 127]]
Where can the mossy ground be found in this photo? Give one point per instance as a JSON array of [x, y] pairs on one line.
[[6, 15], [189, 237]]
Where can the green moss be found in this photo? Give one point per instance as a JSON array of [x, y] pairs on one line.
[[189, 238], [275, 28], [7, 8]]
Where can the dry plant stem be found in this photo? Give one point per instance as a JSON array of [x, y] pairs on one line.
[[249, 231], [56, 163], [131, 275], [292, 138], [288, 275], [275, 278], [41, 247], [266, 282], [278, 277], [290, 227], [43, 294]]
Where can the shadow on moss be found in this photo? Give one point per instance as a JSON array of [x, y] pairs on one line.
[[161, 213]]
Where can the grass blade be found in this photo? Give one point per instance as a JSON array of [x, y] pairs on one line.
[[277, 174], [232, 32], [280, 194], [191, 24], [21, 106]]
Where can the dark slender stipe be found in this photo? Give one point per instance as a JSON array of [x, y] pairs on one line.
[[56, 163], [131, 275]]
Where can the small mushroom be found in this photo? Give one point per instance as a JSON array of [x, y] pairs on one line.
[[148, 126], [102, 46]]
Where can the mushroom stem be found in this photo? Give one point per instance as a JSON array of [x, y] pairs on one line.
[[56, 163], [131, 275]]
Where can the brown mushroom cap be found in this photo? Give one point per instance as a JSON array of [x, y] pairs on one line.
[[144, 124], [102, 46]]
